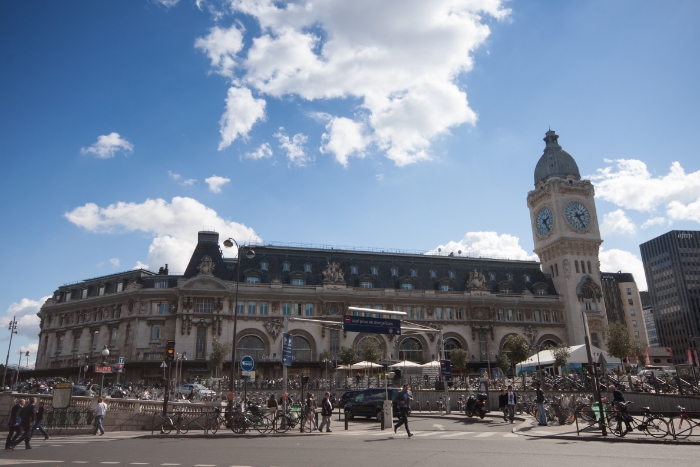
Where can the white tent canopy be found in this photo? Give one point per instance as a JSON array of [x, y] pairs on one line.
[[365, 365], [405, 364], [433, 364], [578, 357]]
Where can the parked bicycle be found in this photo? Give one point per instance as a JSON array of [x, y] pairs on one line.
[[683, 427]]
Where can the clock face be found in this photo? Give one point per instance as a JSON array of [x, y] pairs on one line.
[[545, 219], [578, 216]]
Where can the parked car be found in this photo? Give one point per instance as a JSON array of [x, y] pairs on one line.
[[347, 397], [369, 403], [199, 390]]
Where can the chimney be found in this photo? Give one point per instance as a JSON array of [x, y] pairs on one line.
[[208, 236]]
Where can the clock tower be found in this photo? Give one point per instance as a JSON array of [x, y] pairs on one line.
[[567, 239]]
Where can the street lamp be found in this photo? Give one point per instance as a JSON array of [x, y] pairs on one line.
[[13, 330], [105, 354], [250, 254], [587, 341]]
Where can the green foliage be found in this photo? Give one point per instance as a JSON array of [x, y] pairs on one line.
[[347, 355], [371, 350], [325, 355], [217, 357], [503, 362], [639, 351], [459, 359], [518, 348], [620, 344], [561, 355]]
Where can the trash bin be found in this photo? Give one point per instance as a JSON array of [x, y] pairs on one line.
[[596, 410]]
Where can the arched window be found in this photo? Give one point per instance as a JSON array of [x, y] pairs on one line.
[[285, 267], [353, 269], [250, 345], [433, 274], [307, 267], [451, 274], [414, 273], [411, 349], [394, 272], [301, 349], [374, 270], [450, 344], [263, 266], [549, 343], [369, 341], [583, 267], [589, 298]]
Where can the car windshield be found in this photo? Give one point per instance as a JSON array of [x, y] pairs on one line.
[[199, 386]]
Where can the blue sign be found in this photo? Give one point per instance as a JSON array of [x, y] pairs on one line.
[[287, 340], [247, 363], [446, 370], [121, 360], [371, 325]]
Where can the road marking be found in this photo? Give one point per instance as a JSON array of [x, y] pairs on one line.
[[204, 465], [485, 434], [459, 433], [140, 463], [80, 462], [429, 433], [110, 462], [169, 464], [439, 427], [20, 461], [510, 435]]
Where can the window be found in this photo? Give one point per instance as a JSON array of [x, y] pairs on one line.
[[203, 305], [556, 269], [527, 278], [200, 350], [84, 293], [252, 308], [482, 347], [394, 272], [161, 284], [537, 316], [335, 342], [366, 285], [540, 291], [634, 323], [128, 334], [113, 336], [458, 313], [162, 308], [239, 308], [445, 288], [628, 291], [492, 276], [414, 273], [419, 312], [301, 349], [101, 290], [590, 271], [59, 344], [551, 267], [353, 269], [576, 266], [375, 270], [636, 334], [286, 309], [263, 266], [76, 342], [555, 317], [411, 349], [407, 286], [155, 332], [263, 308], [68, 296], [451, 274], [509, 315], [252, 280], [632, 313], [594, 339], [433, 274], [501, 315], [307, 267], [545, 316], [438, 312], [309, 309], [448, 313], [298, 281], [629, 301], [518, 315], [250, 345], [285, 267], [120, 286], [583, 268], [95, 337], [509, 276], [505, 290]]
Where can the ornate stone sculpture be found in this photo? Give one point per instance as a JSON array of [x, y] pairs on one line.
[[333, 275], [530, 334], [206, 266], [476, 281], [275, 308], [274, 327]]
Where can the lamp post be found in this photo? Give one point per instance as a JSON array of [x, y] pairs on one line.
[[21, 353], [587, 340], [250, 254], [13, 330], [105, 354]]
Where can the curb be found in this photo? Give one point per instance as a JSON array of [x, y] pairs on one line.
[[615, 439]]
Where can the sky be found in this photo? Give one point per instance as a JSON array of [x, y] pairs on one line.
[[128, 126]]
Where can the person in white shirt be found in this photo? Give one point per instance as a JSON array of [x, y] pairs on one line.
[[100, 415], [512, 400]]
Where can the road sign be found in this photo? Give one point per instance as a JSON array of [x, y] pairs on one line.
[[446, 370], [287, 340], [247, 363], [371, 325], [103, 369], [121, 360], [164, 365]]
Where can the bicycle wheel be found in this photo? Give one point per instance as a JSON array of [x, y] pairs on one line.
[[238, 425], [683, 428], [166, 427], [280, 424], [216, 424], [568, 416], [306, 425], [260, 424], [617, 426], [587, 415], [657, 427], [184, 425]]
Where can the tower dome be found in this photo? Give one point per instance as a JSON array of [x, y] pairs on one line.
[[555, 162]]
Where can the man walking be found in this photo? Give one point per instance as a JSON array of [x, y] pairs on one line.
[[100, 412], [503, 404], [14, 424], [512, 400], [403, 402], [28, 416], [539, 400], [326, 412], [39, 425]]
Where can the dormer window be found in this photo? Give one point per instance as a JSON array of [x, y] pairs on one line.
[[451, 274], [285, 267], [353, 269], [161, 284], [84, 293], [307, 267], [68, 296], [414, 273], [445, 288], [394, 272], [527, 278], [298, 281], [101, 290], [120, 286], [375, 270], [509, 276], [492, 276], [366, 285], [263, 266], [433, 274], [407, 286], [252, 280]]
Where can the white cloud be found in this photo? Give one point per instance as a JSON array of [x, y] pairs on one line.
[[173, 175], [25, 313], [620, 260], [114, 262], [221, 46], [401, 59], [617, 222], [379, 177], [653, 221], [345, 138], [107, 145], [486, 244], [215, 183], [242, 112], [140, 265], [294, 147], [262, 152], [167, 3], [173, 225], [630, 185]]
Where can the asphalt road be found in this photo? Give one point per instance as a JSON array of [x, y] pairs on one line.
[[360, 447]]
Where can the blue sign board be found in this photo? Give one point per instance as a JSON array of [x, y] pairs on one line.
[[446, 370], [121, 360], [247, 363], [287, 340], [371, 325]]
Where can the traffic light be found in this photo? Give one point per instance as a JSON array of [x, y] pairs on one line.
[[170, 351]]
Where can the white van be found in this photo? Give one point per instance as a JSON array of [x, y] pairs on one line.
[[658, 371]]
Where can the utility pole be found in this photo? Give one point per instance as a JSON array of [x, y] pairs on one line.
[[13, 330]]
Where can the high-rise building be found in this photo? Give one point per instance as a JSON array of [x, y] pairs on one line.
[[623, 303], [649, 323], [672, 266]]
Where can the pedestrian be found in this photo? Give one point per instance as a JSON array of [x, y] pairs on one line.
[[273, 406], [539, 400], [326, 412], [310, 409], [39, 425], [14, 424], [502, 404], [512, 400], [100, 415], [619, 398], [28, 417], [358, 379], [403, 402]]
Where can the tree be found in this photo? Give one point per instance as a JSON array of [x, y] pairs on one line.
[[620, 343], [459, 359], [217, 357], [325, 355], [347, 355], [371, 350], [518, 348], [561, 355], [639, 351], [503, 362]]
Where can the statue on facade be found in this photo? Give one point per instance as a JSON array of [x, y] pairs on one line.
[[206, 266], [476, 280], [333, 275]]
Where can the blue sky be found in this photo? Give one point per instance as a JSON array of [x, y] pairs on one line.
[[376, 124]]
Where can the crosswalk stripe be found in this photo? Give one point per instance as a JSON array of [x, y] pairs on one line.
[[459, 433], [485, 434], [428, 433], [510, 435]]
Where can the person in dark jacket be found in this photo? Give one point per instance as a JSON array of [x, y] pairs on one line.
[[28, 417], [512, 400], [39, 425], [326, 413], [502, 404], [14, 424]]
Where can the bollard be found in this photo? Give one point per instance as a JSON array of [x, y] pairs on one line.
[[427, 403], [346, 420]]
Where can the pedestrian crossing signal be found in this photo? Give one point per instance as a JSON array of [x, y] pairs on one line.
[[170, 351]]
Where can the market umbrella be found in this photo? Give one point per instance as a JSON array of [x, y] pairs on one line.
[[365, 365]]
